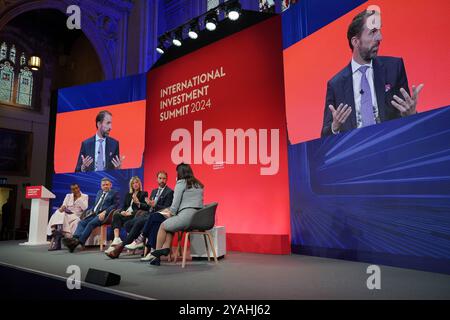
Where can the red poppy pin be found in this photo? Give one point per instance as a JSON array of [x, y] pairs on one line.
[[387, 87]]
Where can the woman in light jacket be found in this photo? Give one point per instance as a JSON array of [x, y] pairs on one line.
[[187, 199], [64, 221]]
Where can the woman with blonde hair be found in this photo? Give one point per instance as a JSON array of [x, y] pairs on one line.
[[134, 201]]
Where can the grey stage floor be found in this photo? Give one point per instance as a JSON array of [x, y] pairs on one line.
[[238, 276]]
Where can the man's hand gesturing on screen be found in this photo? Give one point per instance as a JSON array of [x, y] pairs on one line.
[[407, 106], [86, 162], [340, 115], [117, 161]]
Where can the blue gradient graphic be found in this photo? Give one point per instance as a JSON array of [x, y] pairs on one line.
[[307, 16], [379, 194], [105, 93]]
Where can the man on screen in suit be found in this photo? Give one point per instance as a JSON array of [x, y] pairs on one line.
[[106, 202], [100, 152], [370, 89]]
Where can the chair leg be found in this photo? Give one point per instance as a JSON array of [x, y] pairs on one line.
[[180, 237], [206, 245], [186, 238], [102, 237], [213, 249]]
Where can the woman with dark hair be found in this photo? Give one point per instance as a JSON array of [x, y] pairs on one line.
[[187, 199]]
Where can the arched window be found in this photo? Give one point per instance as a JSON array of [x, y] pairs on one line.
[[16, 78]]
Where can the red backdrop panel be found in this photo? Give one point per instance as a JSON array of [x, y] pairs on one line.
[[253, 207], [72, 128], [412, 29]]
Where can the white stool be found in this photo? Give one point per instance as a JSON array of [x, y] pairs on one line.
[[198, 248]]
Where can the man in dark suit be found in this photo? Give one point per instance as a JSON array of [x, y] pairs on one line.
[[100, 152], [106, 202], [160, 198], [370, 89]]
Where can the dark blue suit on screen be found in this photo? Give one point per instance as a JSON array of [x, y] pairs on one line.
[[389, 77], [88, 149]]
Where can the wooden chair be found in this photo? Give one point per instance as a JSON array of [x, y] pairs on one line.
[[202, 221], [104, 228]]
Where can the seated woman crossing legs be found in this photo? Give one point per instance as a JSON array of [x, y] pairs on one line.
[[134, 202], [64, 221], [187, 199]]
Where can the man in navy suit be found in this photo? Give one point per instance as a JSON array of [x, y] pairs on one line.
[[370, 89], [100, 152], [106, 202]]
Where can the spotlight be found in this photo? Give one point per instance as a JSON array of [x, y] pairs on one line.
[[193, 30], [211, 21], [177, 39], [160, 48], [233, 10]]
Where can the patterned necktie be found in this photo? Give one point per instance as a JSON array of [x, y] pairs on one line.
[[100, 166], [367, 116], [158, 194], [100, 203]]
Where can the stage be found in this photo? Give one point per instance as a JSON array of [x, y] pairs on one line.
[[237, 276]]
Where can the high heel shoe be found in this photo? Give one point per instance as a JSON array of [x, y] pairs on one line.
[[161, 252], [156, 262]]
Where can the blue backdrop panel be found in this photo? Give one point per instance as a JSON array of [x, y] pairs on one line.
[[89, 183], [105, 93], [379, 194], [123, 90], [308, 16]]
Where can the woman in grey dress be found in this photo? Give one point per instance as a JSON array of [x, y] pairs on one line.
[[187, 199]]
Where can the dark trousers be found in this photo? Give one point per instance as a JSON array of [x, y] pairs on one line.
[[85, 228], [134, 228], [118, 220], [151, 229]]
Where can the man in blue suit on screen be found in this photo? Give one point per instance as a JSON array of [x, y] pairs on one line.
[[100, 152], [370, 89]]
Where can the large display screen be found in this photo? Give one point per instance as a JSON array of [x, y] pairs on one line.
[[100, 127], [411, 51]]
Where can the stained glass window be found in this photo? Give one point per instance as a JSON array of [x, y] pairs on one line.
[[12, 54], [3, 51], [16, 80], [6, 81], [23, 60], [25, 87]]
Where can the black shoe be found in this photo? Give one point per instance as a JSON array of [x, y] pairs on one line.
[[161, 252], [66, 241], [156, 262], [71, 244], [56, 243]]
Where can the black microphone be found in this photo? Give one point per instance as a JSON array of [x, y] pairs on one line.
[[361, 92]]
